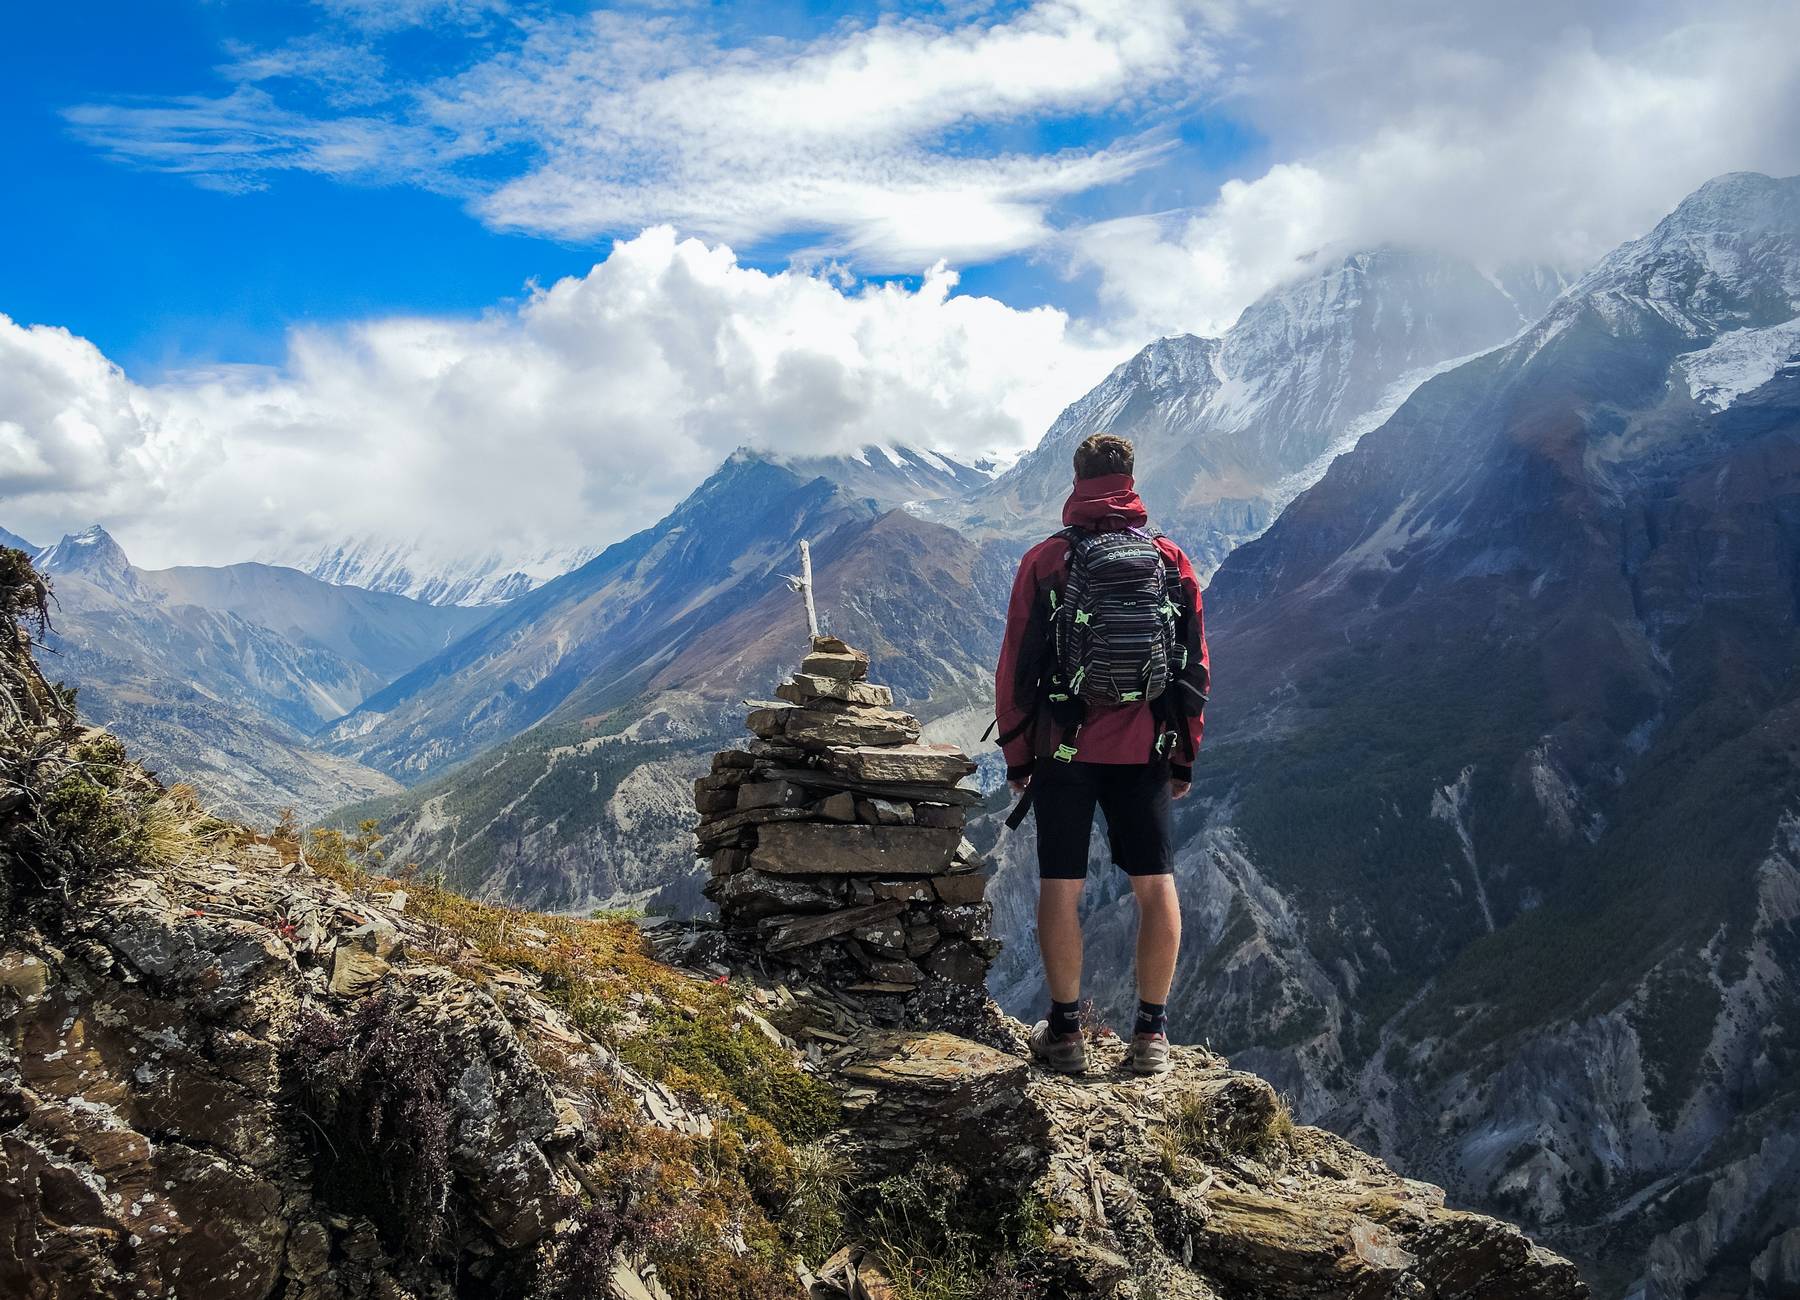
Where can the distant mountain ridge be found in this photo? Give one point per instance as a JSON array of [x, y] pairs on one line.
[[893, 475], [1228, 429], [890, 474], [222, 674], [417, 572]]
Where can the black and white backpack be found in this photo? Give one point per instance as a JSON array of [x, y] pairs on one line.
[[1113, 628]]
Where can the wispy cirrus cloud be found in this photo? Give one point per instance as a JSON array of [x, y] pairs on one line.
[[865, 140], [232, 143]]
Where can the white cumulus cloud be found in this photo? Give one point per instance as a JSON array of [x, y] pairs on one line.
[[1543, 130], [575, 418]]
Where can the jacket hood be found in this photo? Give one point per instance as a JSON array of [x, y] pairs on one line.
[[1107, 504]]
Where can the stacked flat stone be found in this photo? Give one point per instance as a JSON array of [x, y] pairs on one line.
[[836, 838]]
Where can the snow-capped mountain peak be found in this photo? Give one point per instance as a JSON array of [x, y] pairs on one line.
[[1728, 257], [92, 553], [1227, 429], [891, 474]]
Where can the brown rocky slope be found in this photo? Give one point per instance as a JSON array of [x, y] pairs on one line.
[[237, 1066]]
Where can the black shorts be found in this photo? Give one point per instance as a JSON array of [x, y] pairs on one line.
[[1135, 800]]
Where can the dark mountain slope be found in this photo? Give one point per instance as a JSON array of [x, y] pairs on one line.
[[607, 626]]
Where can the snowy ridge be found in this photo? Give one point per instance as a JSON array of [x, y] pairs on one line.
[[1728, 257], [893, 474], [414, 570], [1740, 362], [1391, 400], [1230, 429]]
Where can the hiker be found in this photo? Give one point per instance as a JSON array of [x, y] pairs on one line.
[[1098, 701]]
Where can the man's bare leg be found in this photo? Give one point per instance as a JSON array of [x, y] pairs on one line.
[[1059, 937], [1159, 936], [1159, 940]]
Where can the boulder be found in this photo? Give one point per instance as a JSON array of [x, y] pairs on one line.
[[887, 938], [884, 812], [910, 790], [814, 848], [931, 764], [890, 969], [804, 688], [969, 887], [711, 802], [787, 933], [815, 728], [355, 971], [846, 666], [769, 794], [956, 961], [749, 895], [937, 814], [725, 828], [839, 807]]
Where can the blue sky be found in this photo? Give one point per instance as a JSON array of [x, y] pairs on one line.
[[510, 277], [164, 273]]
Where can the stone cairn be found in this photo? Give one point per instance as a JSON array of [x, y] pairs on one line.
[[836, 843]]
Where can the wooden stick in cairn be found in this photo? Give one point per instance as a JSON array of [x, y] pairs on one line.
[[804, 585]]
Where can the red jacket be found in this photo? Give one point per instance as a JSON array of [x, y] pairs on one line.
[[1123, 733]]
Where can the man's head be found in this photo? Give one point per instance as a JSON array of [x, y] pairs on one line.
[[1103, 454]]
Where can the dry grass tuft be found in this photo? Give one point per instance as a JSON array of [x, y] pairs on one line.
[[177, 829]]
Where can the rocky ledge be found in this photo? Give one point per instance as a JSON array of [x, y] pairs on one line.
[[189, 1066], [236, 1068], [1193, 1184]]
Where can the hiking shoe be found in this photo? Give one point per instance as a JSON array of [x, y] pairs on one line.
[[1064, 1055], [1150, 1054]]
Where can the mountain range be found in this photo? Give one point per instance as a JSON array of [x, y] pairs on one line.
[[1227, 430], [1493, 859], [223, 673], [591, 702], [889, 474], [423, 572]]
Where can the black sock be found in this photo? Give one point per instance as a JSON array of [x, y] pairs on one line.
[[1152, 1018], [1065, 1018]]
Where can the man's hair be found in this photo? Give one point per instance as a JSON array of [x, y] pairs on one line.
[[1102, 454]]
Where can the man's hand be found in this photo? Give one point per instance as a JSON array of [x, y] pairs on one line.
[[1179, 789], [1018, 787]]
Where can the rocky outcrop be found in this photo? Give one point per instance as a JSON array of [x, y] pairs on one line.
[[235, 1069], [1193, 1184], [179, 1118]]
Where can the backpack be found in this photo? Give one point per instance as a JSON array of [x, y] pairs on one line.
[[1113, 629]]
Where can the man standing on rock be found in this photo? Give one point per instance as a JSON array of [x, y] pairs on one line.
[[1099, 699]]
